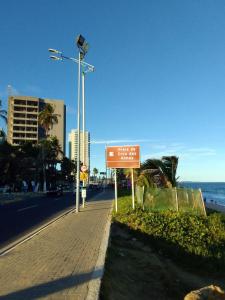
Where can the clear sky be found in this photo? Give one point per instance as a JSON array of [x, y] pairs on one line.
[[159, 79]]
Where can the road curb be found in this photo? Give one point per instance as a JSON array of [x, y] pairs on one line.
[[97, 274]]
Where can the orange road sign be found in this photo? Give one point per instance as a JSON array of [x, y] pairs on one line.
[[123, 157]]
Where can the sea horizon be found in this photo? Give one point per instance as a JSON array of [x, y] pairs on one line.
[[212, 191]]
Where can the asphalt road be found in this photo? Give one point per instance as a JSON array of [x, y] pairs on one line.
[[19, 219]]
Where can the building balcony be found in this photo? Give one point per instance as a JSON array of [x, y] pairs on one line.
[[32, 103], [23, 137], [33, 111], [19, 102], [25, 103], [19, 109], [31, 116], [17, 122], [20, 117], [20, 129]]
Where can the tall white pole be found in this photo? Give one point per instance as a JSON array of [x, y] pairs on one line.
[[78, 142], [83, 108], [83, 119], [106, 165], [132, 179], [116, 190]]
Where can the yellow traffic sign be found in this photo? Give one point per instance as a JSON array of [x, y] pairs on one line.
[[83, 176]]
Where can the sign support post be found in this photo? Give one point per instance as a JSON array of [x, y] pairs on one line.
[[84, 179], [132, 178], [116, 190], [123, 157]]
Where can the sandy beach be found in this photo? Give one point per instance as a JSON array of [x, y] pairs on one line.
[[215, 206]]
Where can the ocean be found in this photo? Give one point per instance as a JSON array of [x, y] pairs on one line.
[[212, 191]]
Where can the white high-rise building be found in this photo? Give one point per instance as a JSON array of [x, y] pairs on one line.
[[73, 146]]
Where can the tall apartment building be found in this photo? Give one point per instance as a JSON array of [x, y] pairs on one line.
[[73, 146], [23, 120]]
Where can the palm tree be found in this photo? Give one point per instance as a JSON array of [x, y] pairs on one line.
[[159, 172], [95, 172], [54, 154], [171, 163], [46, 119]]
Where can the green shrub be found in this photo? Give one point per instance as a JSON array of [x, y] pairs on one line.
[[191, 234]]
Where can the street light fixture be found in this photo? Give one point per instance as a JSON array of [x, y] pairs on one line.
[[83, 48], [54, 50], [55, 57]]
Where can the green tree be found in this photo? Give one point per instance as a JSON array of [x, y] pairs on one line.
[[159, 172], [170, 168], [46, 119], [95, 172], [68, 169], [18, 163], [29, 161], [8, 163], [54, 154]]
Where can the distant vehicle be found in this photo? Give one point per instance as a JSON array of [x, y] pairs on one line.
[[55, 191]]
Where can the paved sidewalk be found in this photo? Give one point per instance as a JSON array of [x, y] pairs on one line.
[[58, 263]]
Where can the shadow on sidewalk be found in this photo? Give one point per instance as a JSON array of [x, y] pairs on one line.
[[91, 209], [105, 195], [44, 289]]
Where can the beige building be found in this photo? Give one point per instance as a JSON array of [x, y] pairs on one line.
[[73, 146], [23, 120]]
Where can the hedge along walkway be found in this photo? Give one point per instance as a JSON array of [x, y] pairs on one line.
[[58, 263]]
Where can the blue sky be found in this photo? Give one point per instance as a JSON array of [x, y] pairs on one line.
[[159, 79]]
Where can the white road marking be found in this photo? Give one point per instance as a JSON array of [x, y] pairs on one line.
[[25, 208]]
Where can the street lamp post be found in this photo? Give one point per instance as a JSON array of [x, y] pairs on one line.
[[84, 72], [78, 142], [83, 110], [83, 48]]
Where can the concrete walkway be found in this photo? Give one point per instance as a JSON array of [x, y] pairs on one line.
[[58, 263]]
